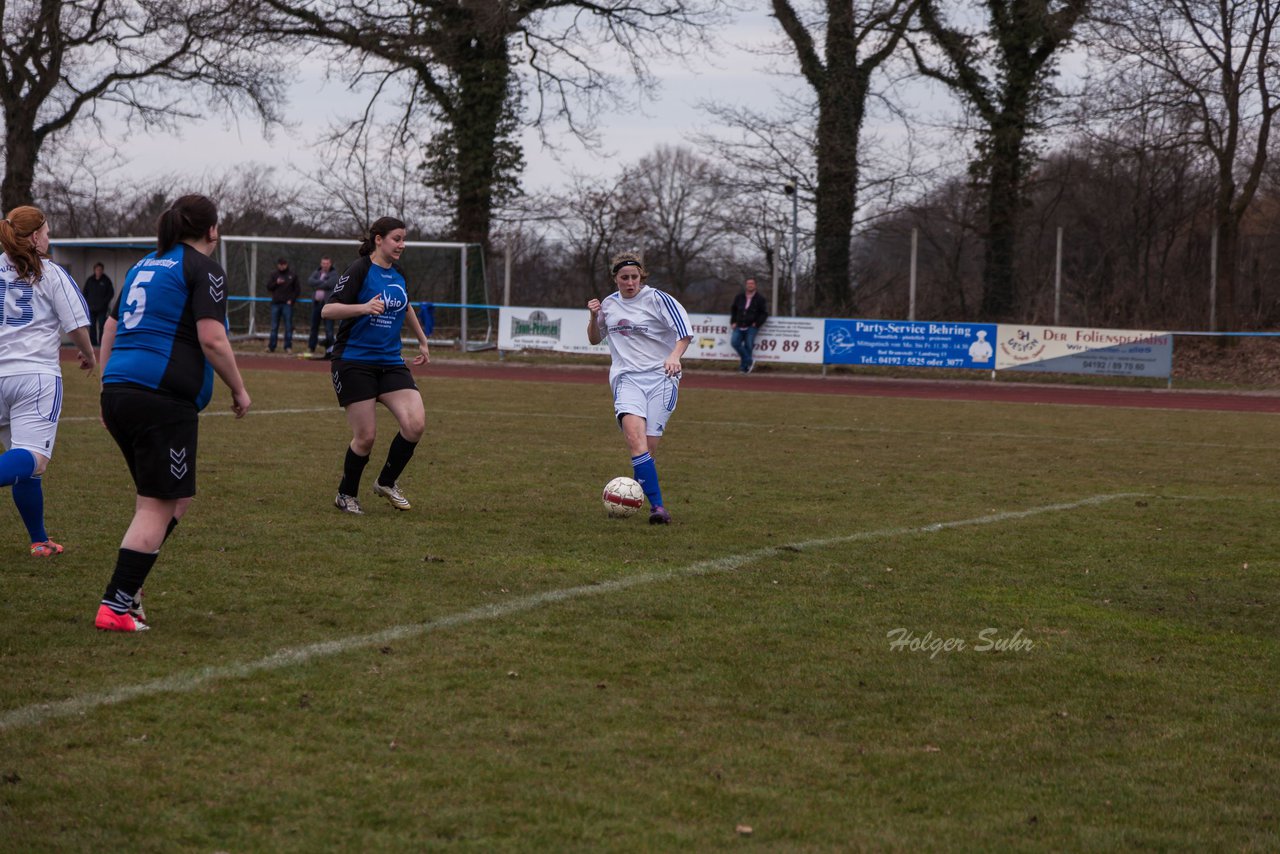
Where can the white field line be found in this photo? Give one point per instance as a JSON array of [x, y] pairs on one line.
[[308, 411], [1057, 438], [34, 715]]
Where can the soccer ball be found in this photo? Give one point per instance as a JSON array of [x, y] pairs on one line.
[[622, 497]]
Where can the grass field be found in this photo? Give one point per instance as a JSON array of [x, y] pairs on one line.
[[503, 668]]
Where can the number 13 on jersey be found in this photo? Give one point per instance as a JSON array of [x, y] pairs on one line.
[[15, 303]]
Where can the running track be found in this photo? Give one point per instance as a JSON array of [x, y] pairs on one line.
[[1000, 392]]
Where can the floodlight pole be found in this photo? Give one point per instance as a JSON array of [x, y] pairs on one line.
[[911, 295], [1057, 280], [791, 189], [773, 286], [1213, 279], [506, 274]]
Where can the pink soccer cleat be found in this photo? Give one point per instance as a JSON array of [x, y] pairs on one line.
[[109, 621], [46, 549]]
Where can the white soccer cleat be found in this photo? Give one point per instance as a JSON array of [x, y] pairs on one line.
[[393, 495], [348, 504]]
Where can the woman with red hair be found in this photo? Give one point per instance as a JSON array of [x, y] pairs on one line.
[[38, 303]]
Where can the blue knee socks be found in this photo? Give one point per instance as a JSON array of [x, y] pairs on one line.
[[646, 472], [16, 469], [16, 464], [28, 494]]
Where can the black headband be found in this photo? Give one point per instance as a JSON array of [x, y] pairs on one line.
[[627, 263]]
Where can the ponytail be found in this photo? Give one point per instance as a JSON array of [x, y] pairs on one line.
[[190, 218], [380, 228], [15, 238]]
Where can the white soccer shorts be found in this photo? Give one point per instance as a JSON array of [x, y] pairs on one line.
[[651, 395], [29, 408]]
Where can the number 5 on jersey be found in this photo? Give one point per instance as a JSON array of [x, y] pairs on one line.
[[136, 301]]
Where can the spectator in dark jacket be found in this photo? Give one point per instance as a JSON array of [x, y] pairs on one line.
[[322, 282], [98, 292], [747, 316], [285, 290]]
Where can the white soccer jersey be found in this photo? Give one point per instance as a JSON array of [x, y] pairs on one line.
[[642, 331], [33, 318]]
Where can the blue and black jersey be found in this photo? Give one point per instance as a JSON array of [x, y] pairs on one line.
[[369, 338], [156, 345]]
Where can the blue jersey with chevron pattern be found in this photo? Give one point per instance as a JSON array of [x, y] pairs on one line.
[[156, 344], [368, 338]]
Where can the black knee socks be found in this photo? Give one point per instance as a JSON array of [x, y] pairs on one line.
[[352, 469], [398, 456], [130, 574]]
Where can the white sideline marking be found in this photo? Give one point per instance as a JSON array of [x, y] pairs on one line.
[[220, 412], [759, 425], [288, 657]]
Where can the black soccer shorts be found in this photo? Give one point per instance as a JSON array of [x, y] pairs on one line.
[[157, 434], [357, 381]]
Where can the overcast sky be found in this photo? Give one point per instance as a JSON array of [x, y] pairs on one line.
[[739, 75]]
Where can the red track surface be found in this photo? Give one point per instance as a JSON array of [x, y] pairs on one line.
[[765, 381]]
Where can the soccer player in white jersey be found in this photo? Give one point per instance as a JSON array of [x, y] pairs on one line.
[[38, 303], [648, 333]]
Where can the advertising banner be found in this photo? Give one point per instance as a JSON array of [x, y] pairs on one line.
[[563, 330], [910, 343], [1068, 350], [797, 340], [897, 343]]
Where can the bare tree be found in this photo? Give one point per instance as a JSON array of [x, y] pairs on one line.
[[857, 41], [1215, 61], [1004, 71], [470, 66], [1132, 193], [363, 176], [589, 221], [760, 154], [61, 59], [686, 208]]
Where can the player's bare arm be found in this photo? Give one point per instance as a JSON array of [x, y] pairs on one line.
[[217, 349], [80, 337], [424, 353], [672, 365], [593, 324], [343, 311]]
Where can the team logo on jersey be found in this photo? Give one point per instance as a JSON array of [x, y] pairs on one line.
[[342, 280], [626, 328], [394, 297], [217, 287], [178, 468]]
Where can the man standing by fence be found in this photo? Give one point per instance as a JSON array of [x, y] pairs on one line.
[[284, 289], [321, 283], [98, 292], [747, 316]]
